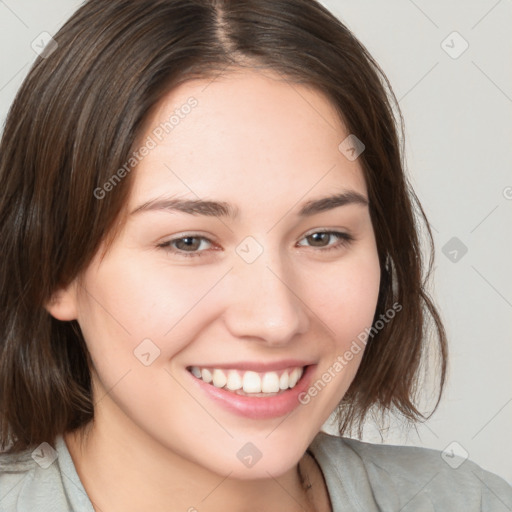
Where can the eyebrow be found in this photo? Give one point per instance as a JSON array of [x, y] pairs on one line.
[[222, 209]]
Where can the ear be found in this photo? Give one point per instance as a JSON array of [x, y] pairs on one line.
[[62, 304]]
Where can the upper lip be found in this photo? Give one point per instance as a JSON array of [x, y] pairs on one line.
[[257, 366]]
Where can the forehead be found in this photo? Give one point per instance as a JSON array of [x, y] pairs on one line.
[[249, 131]]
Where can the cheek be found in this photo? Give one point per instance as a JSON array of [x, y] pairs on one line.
[[127, 302], [135, 318], [346, 298], [347, 310]]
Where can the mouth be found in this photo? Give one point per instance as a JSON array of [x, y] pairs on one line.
[[256, 395], [249, 383]]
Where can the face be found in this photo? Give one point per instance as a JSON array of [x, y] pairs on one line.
[[246, 297]]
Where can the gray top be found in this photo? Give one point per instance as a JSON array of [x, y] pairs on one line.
[[360, 477]]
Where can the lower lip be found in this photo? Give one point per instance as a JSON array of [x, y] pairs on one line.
[[258, 407]]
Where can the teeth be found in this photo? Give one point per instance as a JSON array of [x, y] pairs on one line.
[[219, 378], [249, 381], [206, 375], [234, 381], [252, 382], [283, 381], [294, 377], [270, 383]]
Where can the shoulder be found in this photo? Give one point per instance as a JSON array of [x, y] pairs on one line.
[[409, 478], [33, 479]]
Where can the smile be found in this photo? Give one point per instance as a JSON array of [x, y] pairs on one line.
[[253, 390], [249, 383]]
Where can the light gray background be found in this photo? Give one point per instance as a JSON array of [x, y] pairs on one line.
[[458, 116]]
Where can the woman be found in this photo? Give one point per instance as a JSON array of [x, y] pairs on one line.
[[210, 247]]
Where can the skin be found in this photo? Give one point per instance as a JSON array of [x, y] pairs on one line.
[[156, 444]]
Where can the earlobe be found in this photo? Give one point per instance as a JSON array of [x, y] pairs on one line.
[[62, 304]]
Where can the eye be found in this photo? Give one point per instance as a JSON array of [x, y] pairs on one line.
[[185, 246], [344, 239]]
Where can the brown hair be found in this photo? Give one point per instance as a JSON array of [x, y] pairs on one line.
[[74, 123]]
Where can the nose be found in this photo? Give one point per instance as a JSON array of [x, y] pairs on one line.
[[265, 302]]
